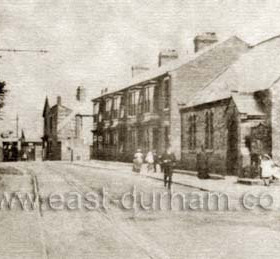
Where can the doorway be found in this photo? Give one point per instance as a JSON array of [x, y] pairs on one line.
[[232, 148]]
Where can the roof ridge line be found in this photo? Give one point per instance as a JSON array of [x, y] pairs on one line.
[[208, 83], [264, 41]]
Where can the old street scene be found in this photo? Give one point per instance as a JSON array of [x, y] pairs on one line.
[[139, 129]]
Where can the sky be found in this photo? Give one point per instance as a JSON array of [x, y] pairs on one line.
[[94, 43]]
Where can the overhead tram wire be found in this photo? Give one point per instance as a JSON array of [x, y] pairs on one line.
[[24, 50]]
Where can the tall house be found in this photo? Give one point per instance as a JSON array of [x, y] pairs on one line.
[[145, 113], [67, 132]]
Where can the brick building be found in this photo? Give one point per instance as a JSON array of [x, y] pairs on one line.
[[237, 115], [67, 132], [145, 113]]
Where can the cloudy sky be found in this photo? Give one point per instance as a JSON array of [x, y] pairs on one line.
[[95, 42]]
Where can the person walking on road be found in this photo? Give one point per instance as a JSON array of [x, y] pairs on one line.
[[137, 161], [168, 163], [202, 164], [156, 160]]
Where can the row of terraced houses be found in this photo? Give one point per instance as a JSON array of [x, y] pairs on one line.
[[146, 113], [225, 96]]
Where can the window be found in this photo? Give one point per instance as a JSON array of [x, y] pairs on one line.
[[132, 102], [132, 138], [147, 140], [116, 106], [155, 138], [166, 137], [148, 98], [141, 101], [108, 108], [115, 138], [122, 107], [107, 138], [166, 94], [209, 130], [95, 111], [192, 132]]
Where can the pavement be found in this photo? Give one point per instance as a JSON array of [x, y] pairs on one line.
[[224, 184]]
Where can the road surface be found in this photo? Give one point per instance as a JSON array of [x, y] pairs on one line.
[[112, 225]]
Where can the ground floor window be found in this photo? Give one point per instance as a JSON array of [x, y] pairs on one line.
[[147, 140], [192, 132], [155, 138], [132, 139], [166, 137], [209, 130], [115, 138]]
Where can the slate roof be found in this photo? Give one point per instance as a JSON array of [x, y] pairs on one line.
[[222, 52], [255, 70], [247, 104], [71, 104]]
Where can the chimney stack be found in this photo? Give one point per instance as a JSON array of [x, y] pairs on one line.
[[204, 40], [136, 70], [81, 94], [167, 56], [58, 100]]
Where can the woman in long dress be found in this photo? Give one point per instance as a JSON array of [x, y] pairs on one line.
[[137, 161], [150, 161], [269, 170]]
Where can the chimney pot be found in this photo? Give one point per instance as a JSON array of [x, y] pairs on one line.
[[81, 94], [136, 70], [166, 56], [204, 40], [58, 100]]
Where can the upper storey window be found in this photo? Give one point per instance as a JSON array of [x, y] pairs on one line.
[[166, 93], [116, 106], [133, 97]]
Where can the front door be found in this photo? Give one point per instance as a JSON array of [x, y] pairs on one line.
[[232, 148], [155, 139]]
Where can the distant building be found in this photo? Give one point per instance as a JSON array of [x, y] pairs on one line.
[[67, 131], [31, 150], [145, 113], [236, 116], [9, 148]]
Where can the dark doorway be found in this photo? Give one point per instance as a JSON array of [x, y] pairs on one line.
[[155, 138], [10, 151], [232, 148], [166, 137]]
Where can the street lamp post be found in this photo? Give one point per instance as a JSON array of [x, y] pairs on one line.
[[70, 147]]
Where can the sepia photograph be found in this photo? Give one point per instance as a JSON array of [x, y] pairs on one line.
[[140, 129]]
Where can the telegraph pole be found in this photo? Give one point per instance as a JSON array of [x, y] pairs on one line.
[[17, 119], [22, 50]]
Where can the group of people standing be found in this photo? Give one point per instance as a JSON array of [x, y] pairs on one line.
[[269, 171], [166, 162]]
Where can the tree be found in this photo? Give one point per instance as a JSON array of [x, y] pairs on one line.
[[2, 95]]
